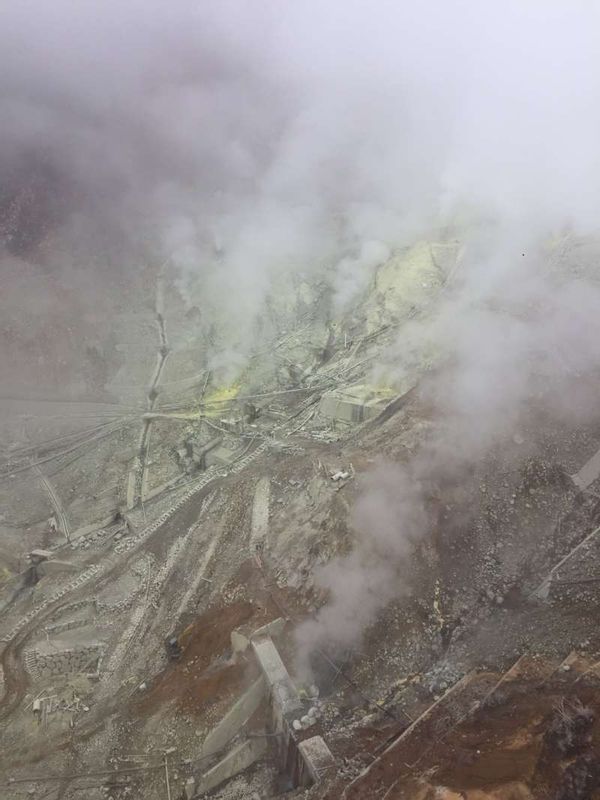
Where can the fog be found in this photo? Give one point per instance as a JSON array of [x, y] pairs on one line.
[[287, 135], [239, 141]]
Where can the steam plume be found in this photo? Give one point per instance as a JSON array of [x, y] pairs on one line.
[[243, 141]]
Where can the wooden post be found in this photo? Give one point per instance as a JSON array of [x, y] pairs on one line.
[[167, 778]]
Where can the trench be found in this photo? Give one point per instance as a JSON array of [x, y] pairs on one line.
[[138, 476]]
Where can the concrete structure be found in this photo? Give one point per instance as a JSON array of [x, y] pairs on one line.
[[235, 719], [353, 404], [305, 762], [239, 642], [233, 424], [222, 455], [37, 556], [273, 628], [236, 761], [316, 761], [240, 639], [68, 625], [285, 700], [543, 590], [589, 473], [64, 662], [199, 451], [260, 515]]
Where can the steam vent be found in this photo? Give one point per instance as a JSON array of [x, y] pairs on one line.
[[299, 400]]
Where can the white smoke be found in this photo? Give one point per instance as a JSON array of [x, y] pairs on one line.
[[388, 519], [247, 140]]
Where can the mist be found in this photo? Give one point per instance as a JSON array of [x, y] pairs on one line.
[[240, 142], [283, 137]]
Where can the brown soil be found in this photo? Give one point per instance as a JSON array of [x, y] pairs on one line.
[[204, 675], [502, 745], [505, 744]]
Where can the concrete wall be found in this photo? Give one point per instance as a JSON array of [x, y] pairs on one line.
[[239, 759], [345, 410], [64, 662], [283, 696], [260, 515], [305, 762], [69, 625], [285, 700], [315, 761], [235, 719]]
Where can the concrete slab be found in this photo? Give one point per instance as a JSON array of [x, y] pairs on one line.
[[353, 404], [236, 718], [284, 700], [318, 760], [220, 456], [345, 409], [239, 759], [273, 628], [543, 590], [239, 642], [284, 695], [589, 473], [130, 491], [260, 515], [35, 556]]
